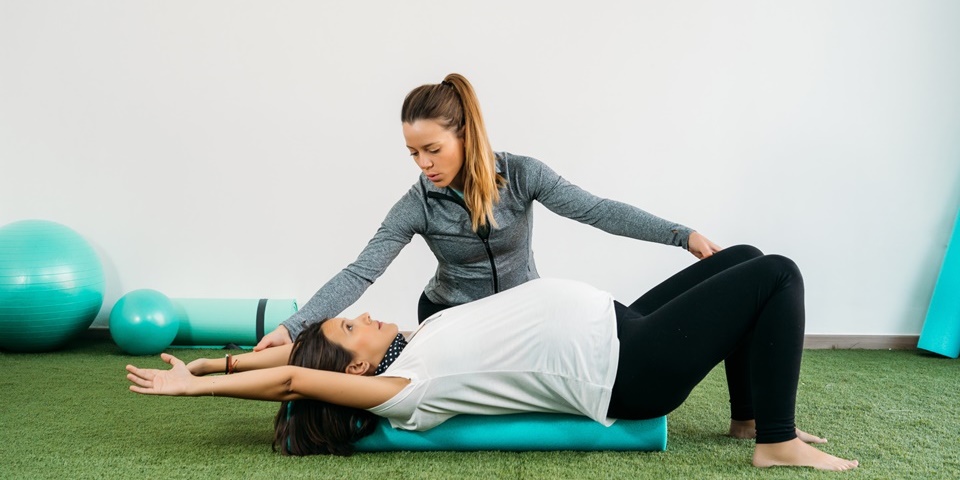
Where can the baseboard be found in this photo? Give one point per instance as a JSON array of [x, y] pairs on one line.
[[862, 342]]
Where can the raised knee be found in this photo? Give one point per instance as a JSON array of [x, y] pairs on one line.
[[784, 266], [745, 251]]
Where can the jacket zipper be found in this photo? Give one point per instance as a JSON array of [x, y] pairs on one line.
[[483, 233]]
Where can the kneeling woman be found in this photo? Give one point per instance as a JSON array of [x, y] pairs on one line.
[[545, 346]]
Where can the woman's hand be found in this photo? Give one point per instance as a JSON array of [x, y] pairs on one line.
[[278, 337], [150, 381], [700, 246]]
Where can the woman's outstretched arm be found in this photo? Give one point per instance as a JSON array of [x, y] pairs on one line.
[[267, 358], [276, 384], [566, 199]]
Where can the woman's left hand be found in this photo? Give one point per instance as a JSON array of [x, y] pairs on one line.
[[150, 381], [700, 246]]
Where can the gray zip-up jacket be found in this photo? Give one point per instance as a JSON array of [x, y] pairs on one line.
[[474, 265]]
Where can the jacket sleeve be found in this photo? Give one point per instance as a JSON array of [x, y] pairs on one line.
[[404, 220], [611, 216]]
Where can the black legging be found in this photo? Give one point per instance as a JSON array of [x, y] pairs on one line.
[[738, 305], [426, 308], [737, 364]]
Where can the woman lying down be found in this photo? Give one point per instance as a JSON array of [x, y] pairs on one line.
[[548, 345]]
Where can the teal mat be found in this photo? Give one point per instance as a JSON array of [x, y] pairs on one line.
[[216, 322], [522, 432], [941, 329]]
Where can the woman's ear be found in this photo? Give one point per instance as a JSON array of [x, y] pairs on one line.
[[358, 367]]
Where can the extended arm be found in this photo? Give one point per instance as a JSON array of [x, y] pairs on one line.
[[267, 358], [401, 223], [611, 216], [276, 384]]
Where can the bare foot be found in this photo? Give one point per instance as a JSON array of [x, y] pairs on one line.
[[747, 429], [796, 453]]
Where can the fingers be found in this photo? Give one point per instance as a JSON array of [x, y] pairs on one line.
[[141, 376], [154, 381], [136, 389], [701, 247], [142, 380], [145, 373], [139, 381], [266, 342], [710, 249], [703, 252], [279, 336]]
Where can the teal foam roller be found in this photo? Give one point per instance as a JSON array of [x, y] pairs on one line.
[[941, 329], [521, 432], [217, 322]]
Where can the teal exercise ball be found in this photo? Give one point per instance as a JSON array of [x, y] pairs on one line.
[[51, 285], [144, 322]]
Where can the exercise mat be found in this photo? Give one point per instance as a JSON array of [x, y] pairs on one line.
[[216, 322], [941, 329], [522, 432]]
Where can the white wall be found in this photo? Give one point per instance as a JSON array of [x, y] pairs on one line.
[[247, 149]]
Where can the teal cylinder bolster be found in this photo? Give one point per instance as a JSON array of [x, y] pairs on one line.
[[223, 321], [522, 432]]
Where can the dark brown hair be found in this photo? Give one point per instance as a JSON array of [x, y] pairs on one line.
[[314, 427], [454, 105]]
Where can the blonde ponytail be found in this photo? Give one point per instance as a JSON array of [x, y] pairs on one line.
[[454, 104]]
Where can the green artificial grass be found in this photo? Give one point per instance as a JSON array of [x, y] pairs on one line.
[[69, 414]]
